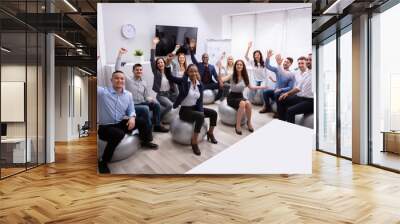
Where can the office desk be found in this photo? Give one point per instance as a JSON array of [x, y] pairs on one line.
[[13, 150]]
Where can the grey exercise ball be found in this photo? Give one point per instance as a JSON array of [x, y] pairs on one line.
[[182, 131], [227, 114], [208, 96], [170, 116], [128, 145], [257, 98], [306, 120]]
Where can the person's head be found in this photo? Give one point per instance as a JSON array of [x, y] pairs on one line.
[[182, 59], [287, 63], [258, 58], [302, 63], [204, 58], [138, 70], [229, 61], [309, 61], [118, 80], [160, 64], [192, 72], [240, 68]]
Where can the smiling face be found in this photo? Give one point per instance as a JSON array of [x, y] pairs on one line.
[[160, 64], [302, 64], [118, 80], [205, 58], [286, 64], [193, 72], [239, 66], [181, 59], [138, 71], [229, 61], [257, 56]]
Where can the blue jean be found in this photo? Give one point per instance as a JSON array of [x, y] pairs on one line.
[[144, 109], [166, 100], [270, 94], [253, 93]]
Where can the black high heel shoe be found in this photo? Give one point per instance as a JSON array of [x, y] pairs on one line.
[[237, 131], [211, 138], [196, 149], [250, 129]]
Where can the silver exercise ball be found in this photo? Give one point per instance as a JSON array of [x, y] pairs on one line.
[[208, 96], [182, 131], [227, 114], [128, 145], [170, 116], [255, 97], [306, 120]]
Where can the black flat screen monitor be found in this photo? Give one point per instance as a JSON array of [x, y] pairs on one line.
[[170, 36]]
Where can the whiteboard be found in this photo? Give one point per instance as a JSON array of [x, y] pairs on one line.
[[216, 47], [12, 101]]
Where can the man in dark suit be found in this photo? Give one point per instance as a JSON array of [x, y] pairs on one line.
[[208, 74]]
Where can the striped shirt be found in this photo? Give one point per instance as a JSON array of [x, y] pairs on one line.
[[304, 84]]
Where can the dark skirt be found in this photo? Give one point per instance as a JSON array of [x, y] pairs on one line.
[[234, 99]]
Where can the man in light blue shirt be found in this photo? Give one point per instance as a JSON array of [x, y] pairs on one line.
[[284, 80], [117, 117]]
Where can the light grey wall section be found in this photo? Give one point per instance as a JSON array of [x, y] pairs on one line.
[[360, 90]]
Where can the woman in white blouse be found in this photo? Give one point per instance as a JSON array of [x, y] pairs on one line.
[[190, 99], [225, 70]]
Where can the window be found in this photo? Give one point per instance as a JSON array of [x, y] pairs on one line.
[[385, 89]]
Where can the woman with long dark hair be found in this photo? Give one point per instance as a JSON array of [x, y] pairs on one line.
[[258, 70], [190, 99], [166, 90], [239, 80]]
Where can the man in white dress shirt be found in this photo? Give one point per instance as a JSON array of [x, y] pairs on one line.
[[299, 100]]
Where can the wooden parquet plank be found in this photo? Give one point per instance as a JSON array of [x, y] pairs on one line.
[[70, 191]]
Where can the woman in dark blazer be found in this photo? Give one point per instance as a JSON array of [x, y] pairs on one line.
[[166, 90], [190, 99]]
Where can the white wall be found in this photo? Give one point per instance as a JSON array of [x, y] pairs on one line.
[[209, 18], [69, 82]]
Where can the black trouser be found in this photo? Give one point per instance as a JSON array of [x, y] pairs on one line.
[[292, 105], [114, 133], [190, 114], [212, 86]]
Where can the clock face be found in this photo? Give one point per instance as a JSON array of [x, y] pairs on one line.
[[128, 31]]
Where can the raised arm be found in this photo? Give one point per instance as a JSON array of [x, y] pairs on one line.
[[268, 62], [156, 40], [121, 52], [168, 72], [246, 56], [192, 45]]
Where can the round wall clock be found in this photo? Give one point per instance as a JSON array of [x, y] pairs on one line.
[[128, 31]]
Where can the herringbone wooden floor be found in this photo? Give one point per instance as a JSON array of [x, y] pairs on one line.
[[70, 191]]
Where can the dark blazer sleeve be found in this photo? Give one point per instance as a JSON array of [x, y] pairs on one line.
[[170, 77], [194, 60], [153, 61]]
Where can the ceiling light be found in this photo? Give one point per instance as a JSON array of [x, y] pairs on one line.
[[337, 7], [5, 50], [65, 41], [86, 72], [70, 5]]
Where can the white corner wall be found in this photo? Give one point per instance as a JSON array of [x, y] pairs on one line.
[[70, 86], [211, 20]]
